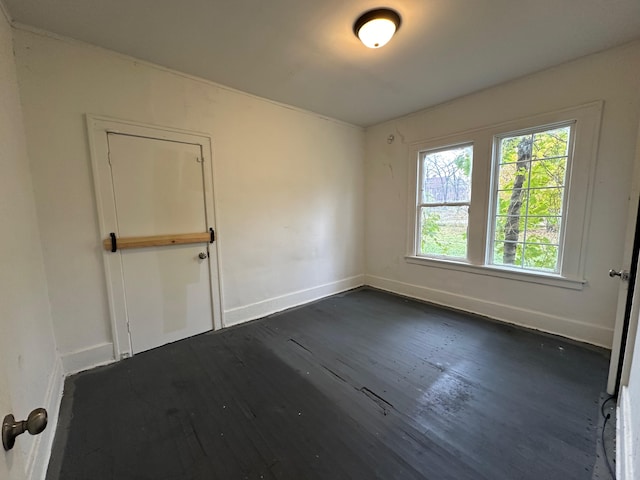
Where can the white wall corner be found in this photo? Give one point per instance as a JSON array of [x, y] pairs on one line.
[[38, 458], [94, 356], [624, 437], [235, 316], [566, 327]]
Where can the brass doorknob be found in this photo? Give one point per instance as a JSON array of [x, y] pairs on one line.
[[34, 424]]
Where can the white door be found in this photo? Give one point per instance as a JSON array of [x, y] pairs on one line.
[[158, 190], [152, 181], [626, 322]]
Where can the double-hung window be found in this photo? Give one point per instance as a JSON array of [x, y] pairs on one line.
[[528, 206], [521, 212], [444, 197]]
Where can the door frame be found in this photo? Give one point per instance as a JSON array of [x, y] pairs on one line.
[[98, 127]]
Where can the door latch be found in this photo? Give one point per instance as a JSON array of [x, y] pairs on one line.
[[623, 274]]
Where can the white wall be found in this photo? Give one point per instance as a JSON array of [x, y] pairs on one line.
[[30, 376], [587, 315], [289, 185]]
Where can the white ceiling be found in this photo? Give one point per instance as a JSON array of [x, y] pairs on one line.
[[304, 53]]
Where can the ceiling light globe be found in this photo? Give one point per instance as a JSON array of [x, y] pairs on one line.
[[376, 27], [377, 32]]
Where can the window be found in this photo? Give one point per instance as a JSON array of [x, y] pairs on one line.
[[508, 200], [530, 178], [444, 196]]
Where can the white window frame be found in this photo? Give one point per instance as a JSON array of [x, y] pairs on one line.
[[585, 120], [420, 205], [494, 191]]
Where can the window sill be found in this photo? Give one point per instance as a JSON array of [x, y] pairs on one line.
[[493, 271]]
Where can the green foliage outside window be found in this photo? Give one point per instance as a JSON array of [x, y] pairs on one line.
[[539, 216], [531, 178], [446, 178]]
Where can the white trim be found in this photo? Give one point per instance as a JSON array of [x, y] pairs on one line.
[[566, 327], [72, 41], [237, 315], [94, 356], [5, 12], [520, 123], [115, 125], [494, 271], [37, 460], [624, 437]]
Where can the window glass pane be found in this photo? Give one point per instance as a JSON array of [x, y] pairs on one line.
[[532, 171], [507, 253], [548, 173], [510, 146], [541, 257], [543, 230], [545, 201], [513, 176], [514, 200], [443, 231], [446, 175], [510, 223], [551, 143]]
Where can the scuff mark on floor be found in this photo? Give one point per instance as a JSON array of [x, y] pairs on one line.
[[334, 374], [382, 403], [300, 345]]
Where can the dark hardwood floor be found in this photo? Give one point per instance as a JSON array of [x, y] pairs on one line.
[[364, 385]]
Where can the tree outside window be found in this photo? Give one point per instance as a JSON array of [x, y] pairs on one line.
[[529, 199], [444, 196], [524, 215]]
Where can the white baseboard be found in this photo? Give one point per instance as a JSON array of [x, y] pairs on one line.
[[624, 437], [566, 327], [38, 459], [235, 316], [94, 356]]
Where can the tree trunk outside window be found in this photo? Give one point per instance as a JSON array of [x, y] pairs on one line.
[[512, 225]]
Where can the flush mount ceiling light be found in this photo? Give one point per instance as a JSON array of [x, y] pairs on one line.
[[376, 27]]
